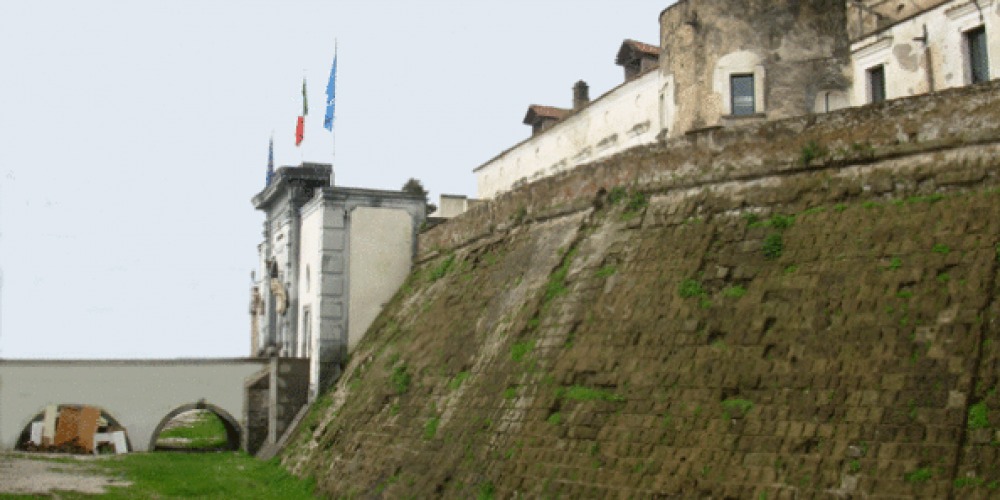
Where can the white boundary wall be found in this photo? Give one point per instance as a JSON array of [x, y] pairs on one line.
[[139, 394]]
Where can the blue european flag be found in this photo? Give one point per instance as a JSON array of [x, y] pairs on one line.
[[331, 94]]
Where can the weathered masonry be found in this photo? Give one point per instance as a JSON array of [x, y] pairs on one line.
[[723, 63], [330, 258]]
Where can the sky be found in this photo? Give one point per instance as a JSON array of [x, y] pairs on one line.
[[134, 133]]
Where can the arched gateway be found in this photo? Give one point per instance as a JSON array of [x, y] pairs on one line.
[[142, 395]]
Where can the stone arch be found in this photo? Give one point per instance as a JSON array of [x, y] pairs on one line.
[[233, 429], [25, 435]]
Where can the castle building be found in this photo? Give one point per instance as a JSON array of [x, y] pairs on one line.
[[330, 259], [722, 63], [331, 256]]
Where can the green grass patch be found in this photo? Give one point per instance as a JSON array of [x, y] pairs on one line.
[[206, 430], [556, 285], [773, 246], [736, 406], [510, 392], [616, 195], [581, 393], [691, 288], [921, 475], [201, 475], [489, 259], [486, 491], [519, 215], [968, 482], [400, 379], [606, 271], [735, 291], [895, 263], [979, 416], [431, 428], [636, 202], [934, 198], [554, 419], [441, 269], [457, 380], [521, 349], [812, 150], [779, 221], [941, 249]]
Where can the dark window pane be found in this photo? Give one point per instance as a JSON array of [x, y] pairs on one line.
[[979, 64], [876, 82], [742, 94]]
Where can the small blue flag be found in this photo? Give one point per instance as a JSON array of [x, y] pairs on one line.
[[270, 162], [331, 93]]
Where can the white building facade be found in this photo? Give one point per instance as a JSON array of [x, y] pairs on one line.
[[951, 44], [330, 260], [626, 116]]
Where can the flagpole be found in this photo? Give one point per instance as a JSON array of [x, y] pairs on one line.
[[333, 130], [302, 153]]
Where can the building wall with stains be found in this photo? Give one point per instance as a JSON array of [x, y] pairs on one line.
[[927, 52], [796, 51], [865, 17], [626, 116]]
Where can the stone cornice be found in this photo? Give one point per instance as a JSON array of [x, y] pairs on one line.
[[292, 179]]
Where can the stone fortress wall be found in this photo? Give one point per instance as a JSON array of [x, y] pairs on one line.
[[797, 308], [727, 62]]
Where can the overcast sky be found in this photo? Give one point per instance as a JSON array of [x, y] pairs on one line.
[[134, 133]]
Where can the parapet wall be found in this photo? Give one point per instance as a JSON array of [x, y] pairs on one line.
[[855, 136], [798, 309]]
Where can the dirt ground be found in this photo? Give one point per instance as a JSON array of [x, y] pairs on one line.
[[33, 474]]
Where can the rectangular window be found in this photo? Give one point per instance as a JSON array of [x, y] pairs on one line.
[[876, 84], [741, 88], [979, 64]]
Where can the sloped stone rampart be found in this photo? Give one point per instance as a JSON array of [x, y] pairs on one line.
[[855, 136], [750, 317]]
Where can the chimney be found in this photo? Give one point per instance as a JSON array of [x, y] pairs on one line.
[[581, 95]]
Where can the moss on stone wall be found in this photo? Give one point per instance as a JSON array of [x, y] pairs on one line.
[[585, 353]]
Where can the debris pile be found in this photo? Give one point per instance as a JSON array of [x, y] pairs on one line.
[[75, 429]]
